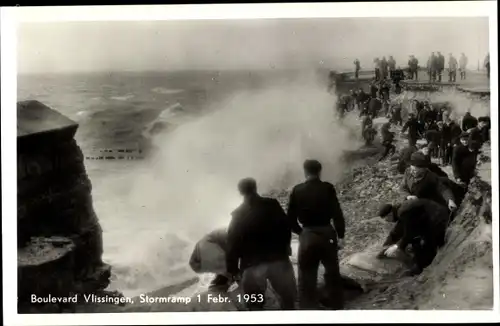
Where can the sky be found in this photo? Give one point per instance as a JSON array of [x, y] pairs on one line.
[[243, 44]]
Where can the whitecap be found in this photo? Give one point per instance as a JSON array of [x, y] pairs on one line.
[[122, 98], [162, 90]]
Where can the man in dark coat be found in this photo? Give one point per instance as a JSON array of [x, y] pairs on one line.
[[433, 138], [396, 117], [433, 167], [405, 157], [420, 182], [387, 139], [468, 122], [315, 205], [440, 64], [357, 67], [450, 131], [464, 160], [480, 134], [259, 241], [374, 106], [413, 129], [419, 222]]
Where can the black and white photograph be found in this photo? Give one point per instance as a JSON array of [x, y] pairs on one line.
[[229, 164]]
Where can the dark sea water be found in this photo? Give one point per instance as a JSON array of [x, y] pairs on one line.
[[146, 245]]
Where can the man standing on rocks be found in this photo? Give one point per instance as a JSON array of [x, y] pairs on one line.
[[463, 66], [259, 239], [315, 205], [413, 129], [419, 222], [420, 182], [465, 159], [387, 139], [450, 137]]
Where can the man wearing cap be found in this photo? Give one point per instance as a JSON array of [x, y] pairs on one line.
[[433, 167], [315, 205], [258, 240], [464, 159], [480, 133], [419, 222], [450, 137], [413, 127], [420, 182]]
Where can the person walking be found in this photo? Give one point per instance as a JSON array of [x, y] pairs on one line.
[[463, 66]]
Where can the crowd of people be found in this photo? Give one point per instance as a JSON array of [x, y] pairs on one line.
[[436, 64], [257, 242]]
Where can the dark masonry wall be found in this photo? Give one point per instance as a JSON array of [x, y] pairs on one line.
[[58, 235]]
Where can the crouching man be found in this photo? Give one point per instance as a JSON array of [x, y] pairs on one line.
[[209, 256], [419, 222], [258, 247]]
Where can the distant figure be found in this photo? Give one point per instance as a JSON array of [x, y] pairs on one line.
[[432, 67], [463, 66], [440, 66], [452, 65], [376, 65], [315, 205], [357, 68], [419, 222], [259, 239], [392, 66], [413, 67], [487, 64], [384, 67]]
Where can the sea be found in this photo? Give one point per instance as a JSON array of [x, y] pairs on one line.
[[190, 136]]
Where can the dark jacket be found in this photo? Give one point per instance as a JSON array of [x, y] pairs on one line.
[[315, 203], [404, 158], [440, 62], [463, 163], [374, 105], [412, 126], [421, 218], [468, 122], [479, 135], [430, 187], [451, 133], [259, 232], [387, 135], [433, 136]]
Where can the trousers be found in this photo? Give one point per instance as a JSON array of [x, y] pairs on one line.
[[282, 278], [319, 245]]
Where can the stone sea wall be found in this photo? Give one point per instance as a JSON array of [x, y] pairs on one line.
[[59, 236]]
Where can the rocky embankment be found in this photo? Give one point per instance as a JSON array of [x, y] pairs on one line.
[[59, 236]]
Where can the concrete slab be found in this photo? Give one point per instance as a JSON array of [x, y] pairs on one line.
[[34, 117]]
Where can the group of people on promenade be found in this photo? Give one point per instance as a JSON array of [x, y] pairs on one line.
[[257, 241], [384, 68]]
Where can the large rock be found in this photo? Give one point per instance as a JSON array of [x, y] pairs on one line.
[[54, 199]]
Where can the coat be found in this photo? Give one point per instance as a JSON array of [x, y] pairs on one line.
[[258, 232], [463, 163], [429, 187]]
